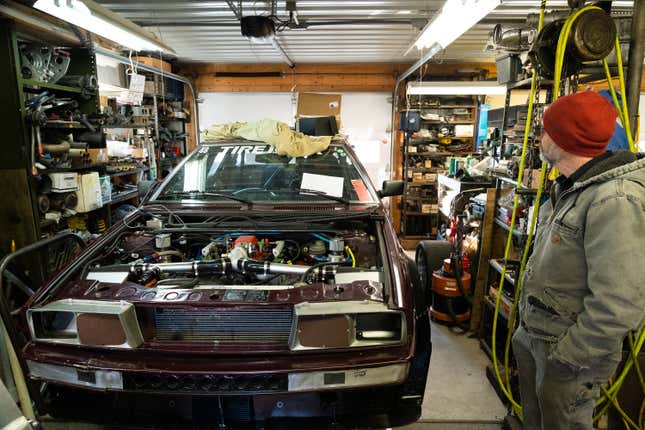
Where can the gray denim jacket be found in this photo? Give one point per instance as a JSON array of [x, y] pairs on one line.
[[584, 284]]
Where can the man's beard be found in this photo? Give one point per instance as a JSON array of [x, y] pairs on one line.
[[546, 158]]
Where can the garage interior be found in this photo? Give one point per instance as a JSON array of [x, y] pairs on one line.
[[104, 99]]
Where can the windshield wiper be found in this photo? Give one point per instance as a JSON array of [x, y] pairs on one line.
[[323, 194], [195, 193]]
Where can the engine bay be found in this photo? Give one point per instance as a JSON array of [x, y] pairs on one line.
[[165, 255]]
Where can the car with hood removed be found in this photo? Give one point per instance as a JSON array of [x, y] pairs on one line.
[[248, 288]]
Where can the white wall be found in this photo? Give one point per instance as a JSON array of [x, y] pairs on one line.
[[220, 108], [365, 118]]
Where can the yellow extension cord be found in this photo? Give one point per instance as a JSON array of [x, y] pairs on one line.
[[610, 393], [505, 385]]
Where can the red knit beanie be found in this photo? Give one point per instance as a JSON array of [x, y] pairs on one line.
[[581, 123]]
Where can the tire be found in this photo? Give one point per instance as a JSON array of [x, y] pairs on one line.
[[429, 257]]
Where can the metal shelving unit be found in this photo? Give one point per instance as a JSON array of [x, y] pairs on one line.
[[419, 204]]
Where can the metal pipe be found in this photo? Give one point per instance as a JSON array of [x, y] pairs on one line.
[[635, 67], [11, 332], [124, 60], [428, 55], [276, 45], [60, 148]]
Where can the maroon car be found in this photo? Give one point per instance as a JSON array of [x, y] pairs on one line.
[[249, 289]]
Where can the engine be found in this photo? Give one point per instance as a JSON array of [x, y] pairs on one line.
[[160, 257]]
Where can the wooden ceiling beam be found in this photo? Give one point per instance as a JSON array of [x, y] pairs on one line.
[[357, 77]]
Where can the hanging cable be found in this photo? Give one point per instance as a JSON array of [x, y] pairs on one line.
[[505, 385]]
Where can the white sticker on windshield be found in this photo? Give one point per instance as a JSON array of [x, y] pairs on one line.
[[331, 185]]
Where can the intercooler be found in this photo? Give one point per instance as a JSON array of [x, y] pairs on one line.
[[225, 325]]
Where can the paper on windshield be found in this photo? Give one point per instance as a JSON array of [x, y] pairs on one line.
[[331, 185]]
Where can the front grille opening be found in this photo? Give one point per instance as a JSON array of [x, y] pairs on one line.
[[220, 325], [197, 383]]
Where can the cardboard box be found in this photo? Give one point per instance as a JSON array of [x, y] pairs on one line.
[[312, 104], [64, 182], [430, 177], [534, 175], [137, 152], [153, 87], [89, 193], [428, 164], [417, 177], [464, 130]]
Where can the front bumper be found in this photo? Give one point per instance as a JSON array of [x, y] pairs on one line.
[[379, 407], [218, 384]]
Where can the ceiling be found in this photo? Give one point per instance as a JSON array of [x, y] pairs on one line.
[[208, 31]]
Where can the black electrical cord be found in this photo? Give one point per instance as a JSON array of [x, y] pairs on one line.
[[453, 315], [303, 278], [458, 271]]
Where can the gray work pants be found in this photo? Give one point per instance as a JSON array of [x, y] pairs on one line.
[[554, 395]]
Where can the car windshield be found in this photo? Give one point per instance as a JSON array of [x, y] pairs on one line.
[[256, 173]]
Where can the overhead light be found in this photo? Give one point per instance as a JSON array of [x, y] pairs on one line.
[[456, 17], [77, 13], [456, 88]]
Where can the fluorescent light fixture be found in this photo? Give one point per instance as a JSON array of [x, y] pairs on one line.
[[456, 88], [77, 13], [456, 17]]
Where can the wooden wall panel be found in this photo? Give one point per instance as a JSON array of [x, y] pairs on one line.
[[359, 77]]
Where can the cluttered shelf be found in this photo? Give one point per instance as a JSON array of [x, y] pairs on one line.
[[526, 84], [495, 264], [122, 196], [439, 122], [38, 85], [85, 167], [506, 227], [64, 124], [442, 106], [490, 303], [440, 154], [128, 172], [128, 126], [421, 183], [410, 213]]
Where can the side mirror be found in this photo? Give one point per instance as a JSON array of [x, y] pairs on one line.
[[391, 188], [146, 188]]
